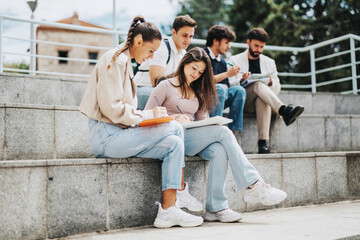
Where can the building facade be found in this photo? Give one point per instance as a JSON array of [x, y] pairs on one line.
[[59, 35]]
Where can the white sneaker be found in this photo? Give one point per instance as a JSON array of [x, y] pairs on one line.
[[263, 193], [185, 200], [175, 216], [226, 215]]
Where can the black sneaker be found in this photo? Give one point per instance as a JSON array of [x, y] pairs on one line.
[[263, 148], [289, 114]]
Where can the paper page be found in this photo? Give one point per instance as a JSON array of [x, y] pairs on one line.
[[259, 76], [248, 82], [217, 120], [265, 78]]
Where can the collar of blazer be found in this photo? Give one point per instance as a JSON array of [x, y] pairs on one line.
[[123, 57]]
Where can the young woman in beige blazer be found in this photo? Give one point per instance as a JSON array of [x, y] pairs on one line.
[[110, 103]]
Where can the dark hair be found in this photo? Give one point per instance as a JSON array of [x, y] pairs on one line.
[[204, 86], [258, 34], [182, 21], [219, 32], [148, 31]]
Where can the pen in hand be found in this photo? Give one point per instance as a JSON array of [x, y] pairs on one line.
[[157, 101], [179, 109]]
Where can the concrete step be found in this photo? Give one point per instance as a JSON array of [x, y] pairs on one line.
[[323, 102], [45, 90], [53, 198], [51, 132], [310, 132], [26, 89]]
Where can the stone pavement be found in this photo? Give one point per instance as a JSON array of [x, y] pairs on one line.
[[339, 220]]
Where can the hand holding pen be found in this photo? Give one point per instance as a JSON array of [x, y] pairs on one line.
[[245, 76], [181, 118], [233, 70], [159, 111], [243, 80]]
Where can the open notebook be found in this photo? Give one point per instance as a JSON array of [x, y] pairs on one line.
[[217, 120]]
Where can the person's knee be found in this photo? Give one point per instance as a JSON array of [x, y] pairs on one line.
[[214, 151], [240, 92], [259, 87], [176, 144], [178, 128], [221, 90], [224, 132]]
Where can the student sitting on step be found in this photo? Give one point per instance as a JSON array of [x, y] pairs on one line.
[[190, 94], [110, 102], [261, 98], [166, 59]]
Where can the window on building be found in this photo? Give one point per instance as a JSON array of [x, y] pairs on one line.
[[63, 54], [93, 56]]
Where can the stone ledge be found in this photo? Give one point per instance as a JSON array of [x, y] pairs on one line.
[[52, 131], [98, 161], [59, 197], [42, 77]]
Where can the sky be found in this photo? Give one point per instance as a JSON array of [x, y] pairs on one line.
[[98, 12]]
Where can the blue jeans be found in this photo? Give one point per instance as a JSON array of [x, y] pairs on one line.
[[164, 141], [218, 145], [143, 93], [233, 97]]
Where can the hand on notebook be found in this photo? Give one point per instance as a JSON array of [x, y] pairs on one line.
[[160, 112]]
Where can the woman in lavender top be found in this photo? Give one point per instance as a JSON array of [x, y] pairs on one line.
[[191, 91]]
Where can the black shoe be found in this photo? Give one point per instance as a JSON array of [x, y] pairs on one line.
[[289, 114], [263, 148]]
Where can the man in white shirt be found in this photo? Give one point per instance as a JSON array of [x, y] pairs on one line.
[[166, 59], [262, 99]]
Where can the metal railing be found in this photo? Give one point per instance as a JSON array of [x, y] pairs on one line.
[[312, 75]]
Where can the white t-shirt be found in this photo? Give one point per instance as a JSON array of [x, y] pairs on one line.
[[160, 58]]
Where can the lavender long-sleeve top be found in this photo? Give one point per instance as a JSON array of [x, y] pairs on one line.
[[169, 98]]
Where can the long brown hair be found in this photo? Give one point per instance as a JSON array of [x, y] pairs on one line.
[[148, 31], [204, 86]]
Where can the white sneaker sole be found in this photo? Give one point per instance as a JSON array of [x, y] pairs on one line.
[[159, 223], [217, 218], [250, 199]]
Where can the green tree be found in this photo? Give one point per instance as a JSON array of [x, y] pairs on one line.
[[206, 13], [301, 23], [295, 23]]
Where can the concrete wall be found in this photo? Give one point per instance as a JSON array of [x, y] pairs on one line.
[[56, 198], [321, 132], [43, 132], [20, 88]]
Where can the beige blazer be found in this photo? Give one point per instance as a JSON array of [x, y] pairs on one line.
[[108, 96], [267, 65]]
